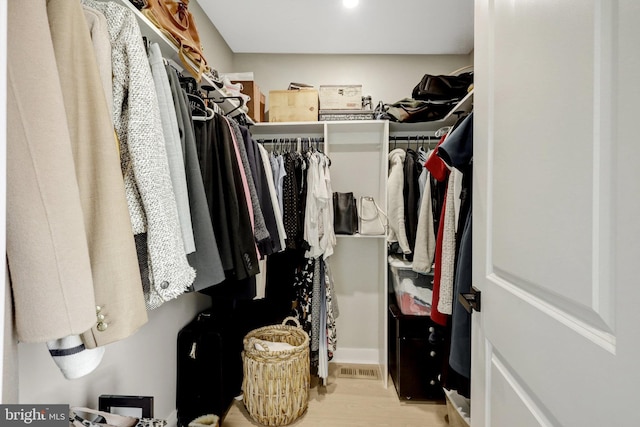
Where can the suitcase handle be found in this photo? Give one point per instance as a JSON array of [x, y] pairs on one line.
[[286, 319]]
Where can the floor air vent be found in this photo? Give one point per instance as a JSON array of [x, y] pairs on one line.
[[367, 372]]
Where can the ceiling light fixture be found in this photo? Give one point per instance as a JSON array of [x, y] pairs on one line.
[[350, 4]]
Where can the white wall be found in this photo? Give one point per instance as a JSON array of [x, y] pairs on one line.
[[385, 77], [216, 50], [141, 365], [9, 389]]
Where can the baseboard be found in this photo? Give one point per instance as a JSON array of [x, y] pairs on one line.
[[365, 356], [172, 419]]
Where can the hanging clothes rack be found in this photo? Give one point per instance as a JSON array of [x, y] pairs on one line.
[[301, 143], [419, 141]]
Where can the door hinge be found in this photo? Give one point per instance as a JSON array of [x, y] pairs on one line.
[[470, 301]]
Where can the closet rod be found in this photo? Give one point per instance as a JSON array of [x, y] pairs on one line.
[[279, 140], [418, 138]]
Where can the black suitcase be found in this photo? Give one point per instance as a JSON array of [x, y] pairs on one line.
[[209, 367]]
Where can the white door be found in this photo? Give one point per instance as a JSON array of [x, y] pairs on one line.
[[556, 214]]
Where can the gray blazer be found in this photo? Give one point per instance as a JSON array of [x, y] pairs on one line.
[[206, 259]]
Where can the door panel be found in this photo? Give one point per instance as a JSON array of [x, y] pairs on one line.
[[556, 177], [515, 402], [545, 42]]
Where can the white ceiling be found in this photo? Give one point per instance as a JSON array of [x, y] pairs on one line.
[[327, 27]]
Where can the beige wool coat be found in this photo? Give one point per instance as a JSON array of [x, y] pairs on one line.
[[112, 253], [47, 251]]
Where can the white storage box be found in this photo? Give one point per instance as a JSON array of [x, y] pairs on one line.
[[458, 409], [413, 291], [340, 97]]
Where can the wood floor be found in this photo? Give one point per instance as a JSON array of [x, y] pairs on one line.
[[348, 402]]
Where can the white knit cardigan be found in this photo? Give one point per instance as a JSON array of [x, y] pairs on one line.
[[425, 247], [395, 186], [143, 157]]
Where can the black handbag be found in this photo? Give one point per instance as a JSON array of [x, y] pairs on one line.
[[345, 213], [442, 88]]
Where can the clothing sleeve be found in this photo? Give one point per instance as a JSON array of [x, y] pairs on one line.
[[260, 231], [173, 146], [457, 149], [395, 190], [262, 189], [425, 241], [274, 199]]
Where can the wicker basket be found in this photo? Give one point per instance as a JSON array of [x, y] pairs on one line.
[[276, 383]]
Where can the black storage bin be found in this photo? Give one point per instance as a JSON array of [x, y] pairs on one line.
[[414, 362]]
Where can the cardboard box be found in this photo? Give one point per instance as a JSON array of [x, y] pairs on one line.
[[293, 105], [256, 103], [340, 97]]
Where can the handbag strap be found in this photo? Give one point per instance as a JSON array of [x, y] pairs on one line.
[[202, 65], [377, 207]]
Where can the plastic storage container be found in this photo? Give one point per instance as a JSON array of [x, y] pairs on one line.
[[413, 290]]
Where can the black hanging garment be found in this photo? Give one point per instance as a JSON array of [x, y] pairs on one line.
[[411, 194]]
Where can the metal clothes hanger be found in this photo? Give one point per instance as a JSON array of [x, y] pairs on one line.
[[199, 110], [442, 131], [221, 100], [210, 113]]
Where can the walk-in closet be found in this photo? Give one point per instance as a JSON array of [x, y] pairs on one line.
[[350, 213]]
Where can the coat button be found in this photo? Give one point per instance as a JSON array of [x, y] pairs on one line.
[[102, 326], [164, 285], [98, 309], [100, 317]]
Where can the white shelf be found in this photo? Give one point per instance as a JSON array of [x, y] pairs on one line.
[[464, 106], [295, 129], [170, 51]]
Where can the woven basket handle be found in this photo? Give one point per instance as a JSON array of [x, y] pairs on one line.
[[286, 319]]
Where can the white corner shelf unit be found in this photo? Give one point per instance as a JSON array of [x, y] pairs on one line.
[[358, 152]]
